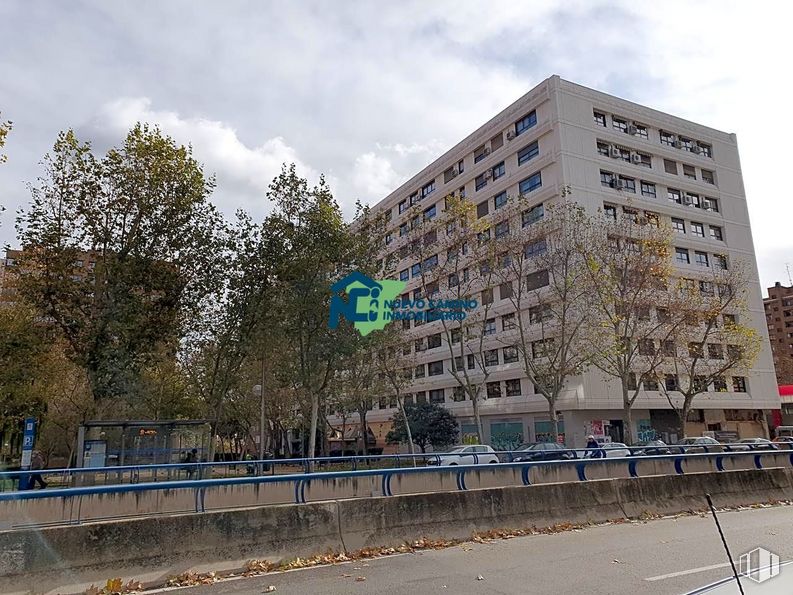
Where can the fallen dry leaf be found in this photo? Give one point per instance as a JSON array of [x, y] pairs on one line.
[[480, 577], [360, 579], [269, 589]]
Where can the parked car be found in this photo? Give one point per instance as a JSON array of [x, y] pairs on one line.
[[758, 443], [696, 444], [475, 454], [651, 448], [609, 450], [542, 451], [784, 442]]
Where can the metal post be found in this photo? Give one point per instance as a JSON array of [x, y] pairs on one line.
[[80, 446]]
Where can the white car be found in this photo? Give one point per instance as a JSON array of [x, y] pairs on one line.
[[475, 454], [610, 450]]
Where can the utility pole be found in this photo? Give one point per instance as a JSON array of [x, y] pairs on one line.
[[262, 421]]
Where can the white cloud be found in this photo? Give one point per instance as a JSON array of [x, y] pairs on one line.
[[243, 173]]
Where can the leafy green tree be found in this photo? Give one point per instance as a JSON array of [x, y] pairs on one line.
[[5, 128], [120, 251], [429, 423]]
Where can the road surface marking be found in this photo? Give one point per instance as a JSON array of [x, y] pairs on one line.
[[685, 572]]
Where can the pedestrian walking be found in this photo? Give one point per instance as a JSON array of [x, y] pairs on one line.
[[36, 464], [191, 457]]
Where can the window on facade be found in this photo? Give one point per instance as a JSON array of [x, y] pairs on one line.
[[707, 176], [434, 341], [532, 215], [461, 191], [513, 387], [695, 350], [713, 205], [421, 397], [454, 280], [648, 189], [641, 130], [632, 385], [483, 236], [668, 348], [480, 153], [715, 351], [457, 363], [610, 211], [403, 206], [662, 315], [603, 148], [600, 119], [537, 280], [413, 198], [482, 208], [674, 195], [650, 384], [528, 153], [431, 237], [480, 181], [539, 313], [489, 327], [541, 348], [628, 184], [436, 395], [406, 324], [487, 296], [533, 182], [430, 213], [501, 229], [706, 288], [739, 384], [705, 150], [645, 160], [670, 166], [404, 275], [471, 361], [491, 357], [428, 189], [505, 290], [421, 344], [667, 138], [508, 322], [497, 141], [720, 262], [431, 262], [498, 171], [619, 124], [646, 347], [535, 249], [686, 143], [678, 225], [697, 230], [701, 259], [420, 371], [689, 171], [681, 256], [715, 233], [510, 354], [435, 368], [623, 154], [526, 122], [493, 390], [720, 384], [504, 260], [630, 214], [415, 270], [500, 199], [458, 394], [671, 383]]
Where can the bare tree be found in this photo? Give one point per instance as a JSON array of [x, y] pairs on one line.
[[455, 253], [713, 340], [628, 272], [543, 274], [396, 362]]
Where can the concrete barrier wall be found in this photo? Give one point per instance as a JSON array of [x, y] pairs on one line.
[[154, 548], [70, 509]]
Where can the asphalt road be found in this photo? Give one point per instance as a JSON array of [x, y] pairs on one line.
[[655, 557]]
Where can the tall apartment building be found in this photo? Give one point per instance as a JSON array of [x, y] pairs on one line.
[[779, 317], [608, 154]]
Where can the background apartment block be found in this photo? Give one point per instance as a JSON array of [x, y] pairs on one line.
[[608, 154], [779, 317]]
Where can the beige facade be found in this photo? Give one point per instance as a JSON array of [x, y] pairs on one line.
[[606, 153]]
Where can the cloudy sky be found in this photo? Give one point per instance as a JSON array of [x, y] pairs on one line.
[[368, 92]]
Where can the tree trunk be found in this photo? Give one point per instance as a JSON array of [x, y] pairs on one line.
[[683, 417], [477, 418], [401, 403], [554, 419], [312, 435], [364, 432], [627, 418]]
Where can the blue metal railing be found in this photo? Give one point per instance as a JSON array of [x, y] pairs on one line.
[[168, 473]]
